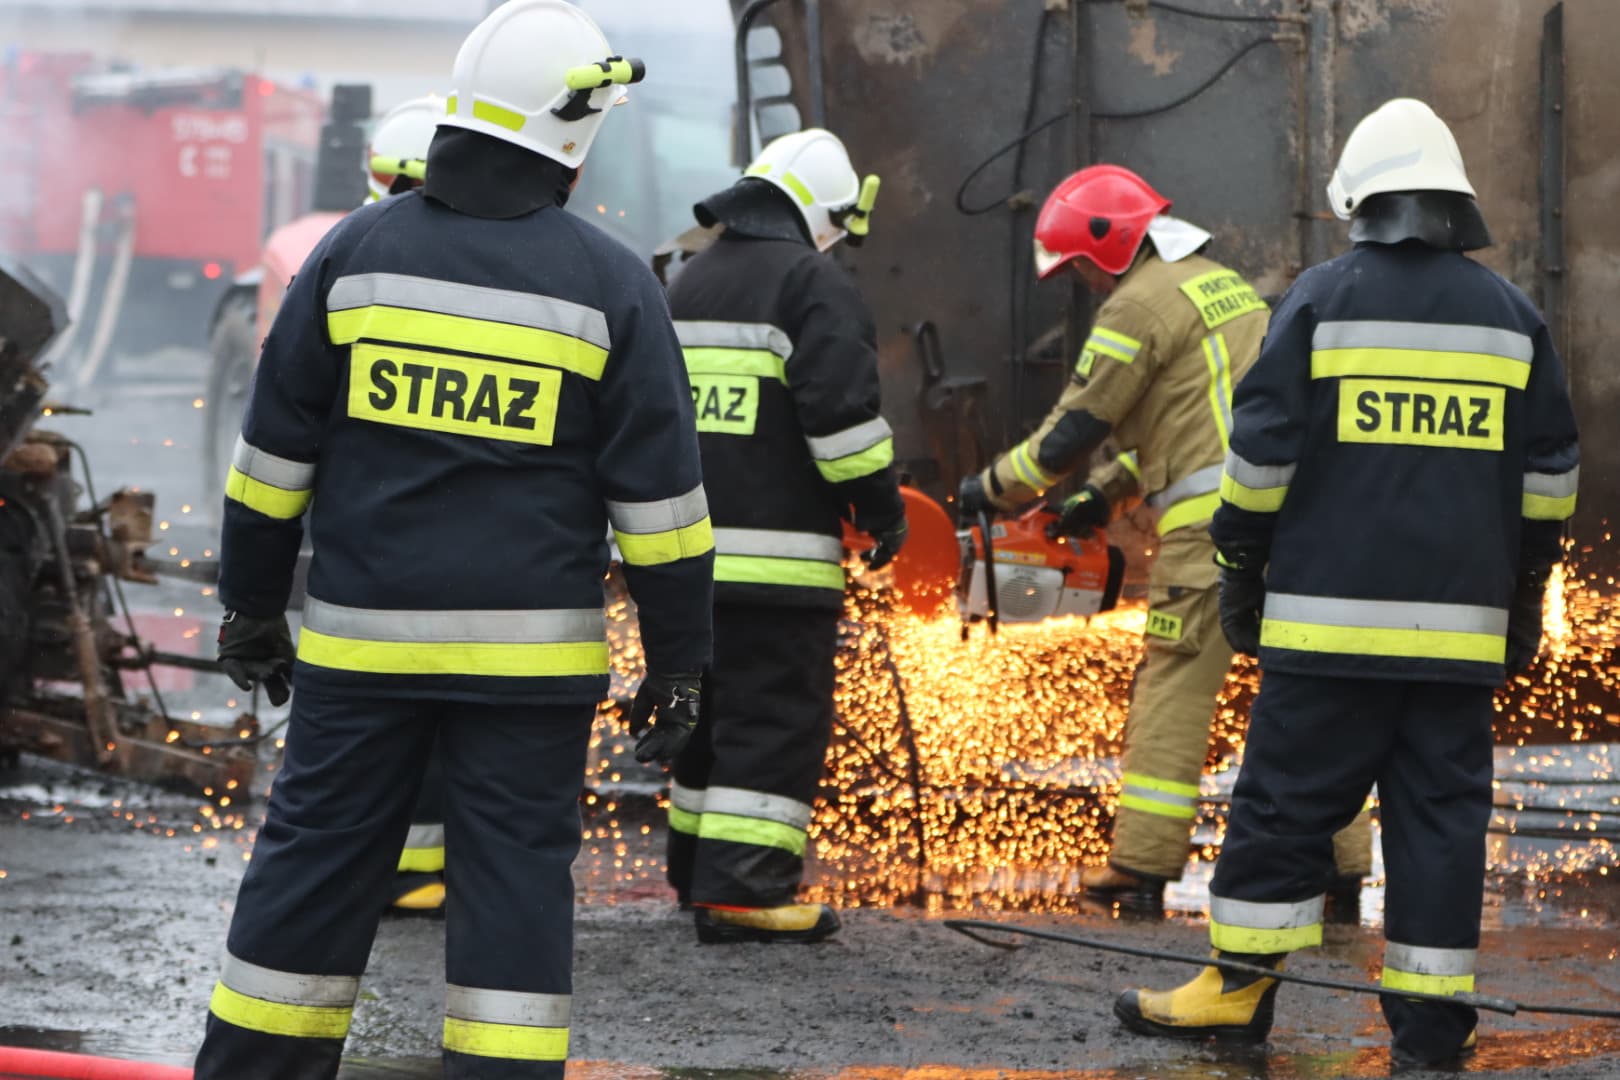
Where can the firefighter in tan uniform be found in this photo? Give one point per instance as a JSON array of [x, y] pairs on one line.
[[1175, 334]]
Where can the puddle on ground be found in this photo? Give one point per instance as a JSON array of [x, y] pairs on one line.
[[1499, 1051]]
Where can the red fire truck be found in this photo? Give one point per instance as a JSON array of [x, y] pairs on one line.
[[140, 195]]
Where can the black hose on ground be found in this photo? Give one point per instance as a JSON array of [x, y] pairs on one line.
[[974, 929]]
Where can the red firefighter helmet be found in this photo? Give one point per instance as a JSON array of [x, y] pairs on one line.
[[1100, 213]]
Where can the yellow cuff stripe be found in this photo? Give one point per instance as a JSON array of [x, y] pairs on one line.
[[1258, 500], [854, 466], [761, 570], [1548, 507], [1027, 469], [1383, 641], [421, 860], [755, 831], [684, 821], [408, 326], [516, 660], [1428, 984], [278, 1018], [1243, 939], [515, 1041], [1153, 806], [656, 549], [267, 499]]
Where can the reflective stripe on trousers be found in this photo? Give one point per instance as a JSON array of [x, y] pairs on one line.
[[752, 817], [778, 557], [424, 850], [1166, 798], [1428, 971], [685, 808], [283, 1002], [555, 642], [1244, 926], [506, 1023], [1384, 628], [1192, 500]]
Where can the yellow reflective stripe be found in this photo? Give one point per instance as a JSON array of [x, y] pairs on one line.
[[267, 499], [1220, 386], [1027, 469], [1154, 806], [1427, 984], [1259, 500], [761, 570], [516, 660], [516, 1041], [1108, 348], [1548, 508], [755, 831], [684, 821], [708, 360], [1153, 783], [1194, 511], [408, 326], [1123, 342], [1128, 461], [1420, 364], [657, 548], [797, 186], [1383, 641], [760, 168], [421, 860], [854, 466], [495, 114], [279, 1018], [1244, 939]]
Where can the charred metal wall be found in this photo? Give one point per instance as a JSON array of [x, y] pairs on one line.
[[924, 92]]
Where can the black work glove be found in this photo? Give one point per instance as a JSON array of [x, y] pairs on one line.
[[1524, 620], [971, 498], [1081, 514], [257, 651], [664, 715], [890, 539], [1243, 598]]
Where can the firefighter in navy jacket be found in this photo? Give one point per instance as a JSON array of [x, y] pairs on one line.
[[470, 385], [1402, 463], [781, 352]]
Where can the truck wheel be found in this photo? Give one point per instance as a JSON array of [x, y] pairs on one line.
[[235, 348]]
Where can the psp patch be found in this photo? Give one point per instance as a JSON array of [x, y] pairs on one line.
[[1162, 624], [458, 395]]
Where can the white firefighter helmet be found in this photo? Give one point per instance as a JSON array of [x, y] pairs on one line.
[[812, 168], [399, 143], [1400, 146], [538, 74]]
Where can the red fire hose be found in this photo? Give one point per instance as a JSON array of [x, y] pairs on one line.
[[51, 1065]]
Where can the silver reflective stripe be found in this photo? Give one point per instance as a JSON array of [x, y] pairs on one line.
[[659, 515], [507, 1007], [1552, 485], [267, 468], [471, 301], [504, 627], [852, 440], [1253, 916], [730, 335], [1420, 960], [1154, 795], [757, 804], [779, 544], [1437, 337], [425, 836], [1222, 378], [289, 988], [685, 798], [1386, 614], [1202, 482], [1258, 476]]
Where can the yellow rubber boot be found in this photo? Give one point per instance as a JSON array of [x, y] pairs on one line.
[[1231, 1007], [800, 923], [418, 893]]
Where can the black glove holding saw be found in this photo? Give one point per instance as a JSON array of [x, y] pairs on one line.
[[1243, 598], [258, 651], [1082, 513], [664, 714]]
